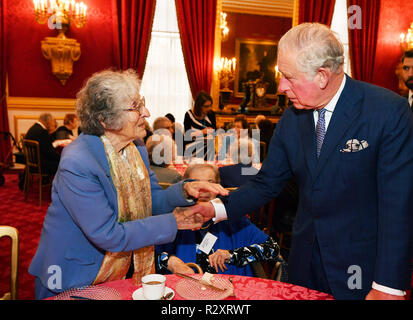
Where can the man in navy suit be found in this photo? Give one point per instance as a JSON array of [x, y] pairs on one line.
[[349, 145]]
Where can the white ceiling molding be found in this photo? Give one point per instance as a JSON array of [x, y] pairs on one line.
[[280, 8]]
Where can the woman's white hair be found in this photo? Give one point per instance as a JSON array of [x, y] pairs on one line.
[[102, 99], [316, 46]]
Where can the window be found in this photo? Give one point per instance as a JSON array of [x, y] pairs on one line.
[[165, 82], [340, 26]]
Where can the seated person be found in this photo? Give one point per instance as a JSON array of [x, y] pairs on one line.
[[178, 134], [161, 150], [242, 171], [238, 131], [162, 125], [40, 132], [238, 242], [258, 119], [70, 123]]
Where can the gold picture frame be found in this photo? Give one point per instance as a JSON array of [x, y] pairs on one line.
[[255, 56]]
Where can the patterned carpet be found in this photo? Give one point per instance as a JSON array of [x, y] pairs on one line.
[[27, 218]]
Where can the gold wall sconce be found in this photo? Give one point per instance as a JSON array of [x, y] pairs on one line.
[[224, 27], [406, 40], [61, 51]]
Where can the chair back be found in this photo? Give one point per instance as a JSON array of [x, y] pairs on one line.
[[31, 152], [12, 233], [262, 217], [195, 266], [165, 185]]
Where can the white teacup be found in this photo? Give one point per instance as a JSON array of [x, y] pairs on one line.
[[153, 286]]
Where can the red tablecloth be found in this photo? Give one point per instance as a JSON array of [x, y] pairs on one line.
[[245, 288]]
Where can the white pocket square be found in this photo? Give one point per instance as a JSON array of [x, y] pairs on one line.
[[353, 145]]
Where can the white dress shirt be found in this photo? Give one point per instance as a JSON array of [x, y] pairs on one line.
[[221, 214]]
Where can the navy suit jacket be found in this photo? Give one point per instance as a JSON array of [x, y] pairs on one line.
[[233, 175], [357, 205], [81, 223]]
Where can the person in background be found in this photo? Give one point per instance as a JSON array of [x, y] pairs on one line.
[[199, 125], [237, 245], [266, 128], [107, 207], [70, 123], [407, 75], [258, 119], [349, 145], [40, 132], [162, 152], [178, 134], [242, 154]]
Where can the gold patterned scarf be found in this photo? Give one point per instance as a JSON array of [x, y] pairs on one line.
[[132, 183]]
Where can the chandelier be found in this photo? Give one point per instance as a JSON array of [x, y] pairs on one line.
[[406, 40], [61, 51]]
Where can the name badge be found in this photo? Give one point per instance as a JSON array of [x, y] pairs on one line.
[[207, 243]]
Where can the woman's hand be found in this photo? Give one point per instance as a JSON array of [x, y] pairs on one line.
[[176, 265], [218, 259], [188, 219], [194, 188]]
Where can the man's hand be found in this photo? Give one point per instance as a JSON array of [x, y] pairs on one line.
[[205, 210], [187, 219], [379, 295], [218, 259], [176, 265], [194, 188]]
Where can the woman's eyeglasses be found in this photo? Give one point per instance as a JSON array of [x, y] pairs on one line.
[[137, 106]]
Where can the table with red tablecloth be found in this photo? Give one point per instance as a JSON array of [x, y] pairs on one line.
[[245, 288]]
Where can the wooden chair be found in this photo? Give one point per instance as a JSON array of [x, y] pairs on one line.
[[6, 231], [195, 266], [165, 185], [262, 218], [31, 152]]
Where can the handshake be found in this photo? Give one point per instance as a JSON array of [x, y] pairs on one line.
[[193, 217]]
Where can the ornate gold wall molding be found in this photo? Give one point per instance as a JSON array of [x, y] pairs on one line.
[[40, 103]]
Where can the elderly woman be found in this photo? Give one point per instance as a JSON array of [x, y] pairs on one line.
[[103, 197]]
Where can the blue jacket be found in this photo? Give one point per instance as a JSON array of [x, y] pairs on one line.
[[81, 222], [358, 205], [241, 233]]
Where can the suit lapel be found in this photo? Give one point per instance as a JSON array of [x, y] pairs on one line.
[[345, 113], [306, 122]]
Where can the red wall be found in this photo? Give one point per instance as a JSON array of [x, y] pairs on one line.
[[395, 18], [30, 73]]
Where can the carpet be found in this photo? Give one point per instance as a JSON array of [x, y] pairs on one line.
[[27, 217]]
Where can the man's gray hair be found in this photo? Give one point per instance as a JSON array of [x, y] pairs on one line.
[[102, 99], [316, 46], [45, 117]]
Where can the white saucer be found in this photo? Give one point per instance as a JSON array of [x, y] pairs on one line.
[[138, 294]]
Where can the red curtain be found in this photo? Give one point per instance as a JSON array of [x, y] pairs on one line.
[[363, 41], [4, 118], [196, 21], [316, 11], [132, 32]]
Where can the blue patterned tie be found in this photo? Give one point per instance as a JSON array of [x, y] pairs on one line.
[[320, 129]]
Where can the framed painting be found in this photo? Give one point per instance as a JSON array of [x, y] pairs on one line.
[[255, 58]]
